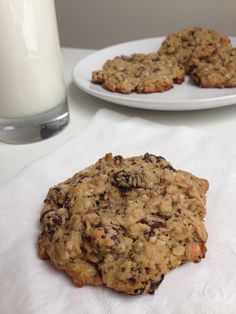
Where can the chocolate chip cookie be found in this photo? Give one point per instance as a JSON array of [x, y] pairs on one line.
[[140, 73], [124, 223], [193, 43], [217, 70]]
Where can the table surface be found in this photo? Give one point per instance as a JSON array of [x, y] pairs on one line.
[[13, 158]]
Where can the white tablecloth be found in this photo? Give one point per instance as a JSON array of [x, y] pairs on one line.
[[30, 285]]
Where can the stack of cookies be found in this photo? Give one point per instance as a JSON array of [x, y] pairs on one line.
[[207, 56]]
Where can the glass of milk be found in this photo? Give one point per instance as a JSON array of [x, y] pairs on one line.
[[33, 102]]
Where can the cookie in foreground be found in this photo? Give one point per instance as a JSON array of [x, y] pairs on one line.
[[124, 223]]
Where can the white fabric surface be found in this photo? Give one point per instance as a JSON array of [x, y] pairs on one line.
[[30, 285]]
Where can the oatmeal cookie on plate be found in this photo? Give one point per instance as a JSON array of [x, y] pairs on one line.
[[217, 70], [140, 73], [193, 43]]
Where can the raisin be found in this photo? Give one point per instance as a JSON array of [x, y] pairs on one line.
[[143, 221], [169, 167], [152, 158], [154, 285], [45, 213], [132, 281], [50, 229], [105, 209], [57, 220], [156, 70], [126, 180], [156, 224], [120, 179], [102, 196], [152, 224], [137, 269], [115, 239], [79, 178], [140, 71], [156, 58], [98, 225], [118, 159]]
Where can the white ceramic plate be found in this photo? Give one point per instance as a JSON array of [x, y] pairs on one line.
[[186, 96]]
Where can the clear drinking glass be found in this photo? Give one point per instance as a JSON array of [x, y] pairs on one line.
[[33, 102]]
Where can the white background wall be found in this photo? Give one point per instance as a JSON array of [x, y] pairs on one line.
[[99, 23]]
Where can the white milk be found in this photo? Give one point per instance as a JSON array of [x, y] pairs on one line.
[[31, 78]]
